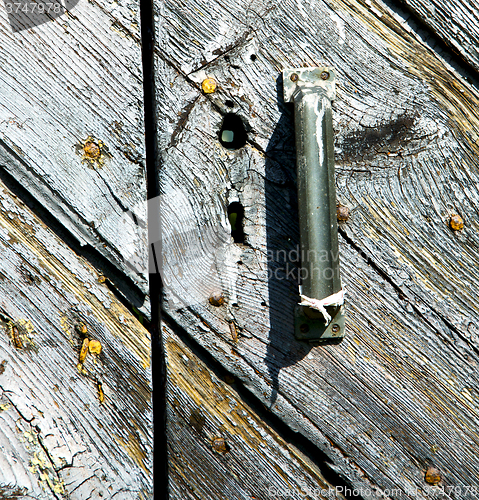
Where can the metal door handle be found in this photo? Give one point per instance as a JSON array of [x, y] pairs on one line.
[[319, 318]]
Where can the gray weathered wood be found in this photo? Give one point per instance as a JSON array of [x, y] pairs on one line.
[[253, 461], [59, 437], [399, 393], [68, 80], [455, 23]]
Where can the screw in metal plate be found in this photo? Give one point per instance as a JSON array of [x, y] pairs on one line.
[[304, 328], [325, 75], [335, 328], [294, 77]]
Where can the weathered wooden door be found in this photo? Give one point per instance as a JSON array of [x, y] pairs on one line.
[[392, 411]]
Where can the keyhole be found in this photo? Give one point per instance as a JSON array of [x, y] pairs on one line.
[[236, 216], [232, 134]]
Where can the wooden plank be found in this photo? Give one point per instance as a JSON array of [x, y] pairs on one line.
[[67, 430], [455, 23], [398, 395], [71, 126], [220, 447]]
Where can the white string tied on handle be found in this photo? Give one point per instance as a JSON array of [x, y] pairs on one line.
[[336, 299]]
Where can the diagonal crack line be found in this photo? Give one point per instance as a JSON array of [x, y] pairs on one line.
[[181, 125], [376, 266]]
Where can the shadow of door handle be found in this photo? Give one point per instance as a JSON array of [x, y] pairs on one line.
[[319, 318]]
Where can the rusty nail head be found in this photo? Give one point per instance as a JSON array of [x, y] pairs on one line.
[[294, 77], [208, 85], [456, 222], [342, 213], [217, 299], [335, 328], [219, 445], [433, 476], [325, 75]]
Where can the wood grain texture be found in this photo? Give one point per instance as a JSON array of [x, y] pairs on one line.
[[219, 447], [400, 392], [455, 23], [66, 84], [67, 431]]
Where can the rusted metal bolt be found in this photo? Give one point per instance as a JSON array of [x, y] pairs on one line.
[[342, 213], [217, 299], [294, 77], [324, 75], [208, 85], [433, 476], [219, 445], [91, 150], [335, 328], [456, 222]]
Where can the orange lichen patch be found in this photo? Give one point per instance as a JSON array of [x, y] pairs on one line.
[[456, 223], [94, 347], [83, 351], [83, 329], [433, 476], [208, 85]]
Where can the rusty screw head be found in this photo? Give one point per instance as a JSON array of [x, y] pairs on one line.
[[304, 328], [294, 77], [91, 150], [456, 222], [219, 445], [208, 85], [335, 328], [342, 213], [324, 75], [433, 476], [217, 299]]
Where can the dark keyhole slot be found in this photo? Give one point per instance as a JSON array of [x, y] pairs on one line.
[[232, 133], [236, 216]]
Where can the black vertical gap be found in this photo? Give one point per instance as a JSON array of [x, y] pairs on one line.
[[153, 161]]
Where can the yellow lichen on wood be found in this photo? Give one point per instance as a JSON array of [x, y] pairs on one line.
[[101, 394], [94, 347], [83, 351]]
